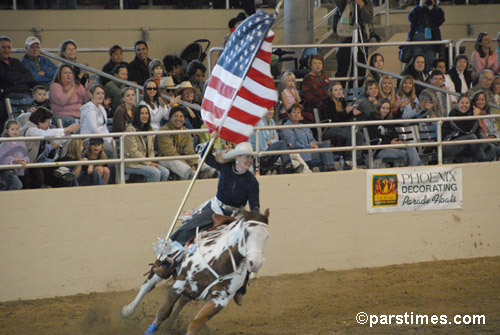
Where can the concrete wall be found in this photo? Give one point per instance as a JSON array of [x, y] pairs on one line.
[[57, 242]]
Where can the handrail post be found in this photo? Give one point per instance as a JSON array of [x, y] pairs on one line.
[[122, 157], [387, 13], [440, 142], [257, 148], [450, 52], [354, 144]]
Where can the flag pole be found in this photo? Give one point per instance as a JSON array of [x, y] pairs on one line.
[[190, 187]]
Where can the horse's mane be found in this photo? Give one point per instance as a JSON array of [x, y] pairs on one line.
[[256, 216]]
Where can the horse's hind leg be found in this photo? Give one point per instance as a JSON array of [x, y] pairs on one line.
[[164, 311], [205, 314], [145, 288], [182, 302]]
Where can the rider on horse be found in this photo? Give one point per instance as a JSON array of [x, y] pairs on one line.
[[237, 186]]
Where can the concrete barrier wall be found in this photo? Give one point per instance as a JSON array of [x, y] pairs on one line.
[[56, 242]]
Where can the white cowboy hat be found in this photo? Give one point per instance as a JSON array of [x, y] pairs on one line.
[[184, 85], [168, 83], [242, 149]]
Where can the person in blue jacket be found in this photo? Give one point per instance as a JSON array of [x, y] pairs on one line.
[[41, 68]]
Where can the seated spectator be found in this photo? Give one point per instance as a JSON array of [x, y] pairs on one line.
[[219, 143], [440, 65], [158, 107], [387, 91], [335, 109], [484, 57], [68, 50], [302, 138], [41, 68], [463, 130], [180, 145], [67, 176], [269, 140], [142, 147], [125, 112], [157, 71], [416, 69], [187, 94], [115, 58], [486, 78], [376, 61], [12, 153], [39, 98], [113, 89], [94, 117], [437, 97], [42, 151], [408, 98], [460, 75], [368, 105], [15, 79], [315, 87], [138, 69], [481, 107], [196, 74], [94, 174], [67, 96], [290, 94], [387, 134], [172, 65]]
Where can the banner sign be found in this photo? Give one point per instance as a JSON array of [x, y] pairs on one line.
[[411, 189]]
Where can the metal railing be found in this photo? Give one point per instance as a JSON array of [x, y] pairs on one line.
[[345, 45], [121, 160]]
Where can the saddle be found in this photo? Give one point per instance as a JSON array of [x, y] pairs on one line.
[[166, 267]]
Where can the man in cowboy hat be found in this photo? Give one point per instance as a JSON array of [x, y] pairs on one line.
[[187, 93]]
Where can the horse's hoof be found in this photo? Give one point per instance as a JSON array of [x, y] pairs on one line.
[[127, 311]]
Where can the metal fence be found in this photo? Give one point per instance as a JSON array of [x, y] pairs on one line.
[[120, 158]]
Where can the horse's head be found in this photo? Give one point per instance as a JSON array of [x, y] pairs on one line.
[[256, 235]]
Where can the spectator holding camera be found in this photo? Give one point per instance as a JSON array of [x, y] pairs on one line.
[[425, 20]]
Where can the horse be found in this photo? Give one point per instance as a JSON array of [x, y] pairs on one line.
[[213, 269]]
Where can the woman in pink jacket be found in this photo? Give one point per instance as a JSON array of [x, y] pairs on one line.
[[483, 57], [66, 96]]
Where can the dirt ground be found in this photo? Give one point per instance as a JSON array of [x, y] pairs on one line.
[[317, 303]]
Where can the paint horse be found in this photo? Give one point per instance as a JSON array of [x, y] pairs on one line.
[[213, 269]]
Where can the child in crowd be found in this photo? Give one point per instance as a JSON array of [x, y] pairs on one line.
[[290, 94], [94, 174], [39, 98], [65, 176], [12, 153]]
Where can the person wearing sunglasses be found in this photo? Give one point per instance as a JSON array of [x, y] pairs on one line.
[[158, 107]]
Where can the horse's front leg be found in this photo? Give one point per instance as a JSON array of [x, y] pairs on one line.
[[205, 314], [164, 311], [145, 288]]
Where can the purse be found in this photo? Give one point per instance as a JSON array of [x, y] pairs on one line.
[[405, 53]]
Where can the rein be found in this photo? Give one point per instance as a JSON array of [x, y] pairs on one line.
[[241, 244]]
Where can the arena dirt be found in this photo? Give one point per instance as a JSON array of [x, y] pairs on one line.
[[317, 303]]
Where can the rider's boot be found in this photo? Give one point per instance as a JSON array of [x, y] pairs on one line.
[[170, 258], [238, 296]]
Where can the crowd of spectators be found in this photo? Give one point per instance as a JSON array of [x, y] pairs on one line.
[[75, 105]]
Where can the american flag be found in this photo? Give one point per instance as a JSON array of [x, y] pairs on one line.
[[241, 84]]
